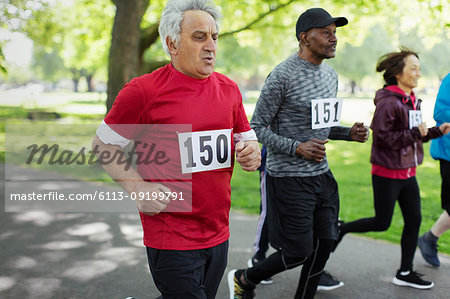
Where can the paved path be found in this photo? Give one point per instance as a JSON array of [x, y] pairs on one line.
[[365, 265], [100, 255]]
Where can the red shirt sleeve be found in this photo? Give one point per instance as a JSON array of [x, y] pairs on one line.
[[126, 112]]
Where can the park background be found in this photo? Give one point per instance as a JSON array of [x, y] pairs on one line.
[[64, 61]]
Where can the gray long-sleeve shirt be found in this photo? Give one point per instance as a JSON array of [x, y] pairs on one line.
[[282, 117]]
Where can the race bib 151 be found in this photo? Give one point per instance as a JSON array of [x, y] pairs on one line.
[[326, 113]]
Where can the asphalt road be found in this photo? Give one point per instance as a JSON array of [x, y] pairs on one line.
[[100, 255]]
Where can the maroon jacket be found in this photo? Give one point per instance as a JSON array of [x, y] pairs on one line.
[[395, 145]]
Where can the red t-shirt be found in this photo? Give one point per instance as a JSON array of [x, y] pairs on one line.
[[166, 97]]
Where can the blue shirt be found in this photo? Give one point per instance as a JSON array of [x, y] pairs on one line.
[[440, 147]]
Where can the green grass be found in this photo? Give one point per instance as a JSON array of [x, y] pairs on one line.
[[349, 162], [7, 112], [19, 115], [245, 190]]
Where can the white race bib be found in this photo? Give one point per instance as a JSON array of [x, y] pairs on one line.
[[206, 150], [326, 113], [415, 118]]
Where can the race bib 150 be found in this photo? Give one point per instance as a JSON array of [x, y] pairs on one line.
[[326, 113], [206, 150]]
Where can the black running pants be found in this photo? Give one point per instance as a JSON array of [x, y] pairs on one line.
[[386, 192], [313, 266]]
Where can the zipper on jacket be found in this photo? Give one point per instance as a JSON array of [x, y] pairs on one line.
[[415, 154]]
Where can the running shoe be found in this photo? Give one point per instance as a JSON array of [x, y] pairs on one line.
[[411, 279], [327, 282], [429, 250], [236, 288], [254, 261]]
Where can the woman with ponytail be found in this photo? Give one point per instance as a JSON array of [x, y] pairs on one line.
[[398, 134]]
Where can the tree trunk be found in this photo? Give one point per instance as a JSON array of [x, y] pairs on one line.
[[353, 86], [75, 84], [76, 75], [90, 84], [123, 55]]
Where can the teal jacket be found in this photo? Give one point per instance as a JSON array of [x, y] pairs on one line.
[[440, 147]]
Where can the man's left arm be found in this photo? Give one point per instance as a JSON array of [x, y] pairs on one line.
[[358, 132], [248, 155], [246, 145]]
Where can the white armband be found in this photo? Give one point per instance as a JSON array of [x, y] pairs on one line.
[[109, 136], [244, 136]]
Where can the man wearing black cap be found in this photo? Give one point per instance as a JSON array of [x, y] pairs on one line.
[[296, 113]]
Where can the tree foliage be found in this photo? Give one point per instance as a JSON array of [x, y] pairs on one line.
[[436, 62], [255, 34], [2, 61], [265, 30], [357, 62], [87, 38], [49, 65], [76, 33]]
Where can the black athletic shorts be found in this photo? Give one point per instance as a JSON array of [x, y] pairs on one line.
[[301, 209], [188, 274], [445, 190]]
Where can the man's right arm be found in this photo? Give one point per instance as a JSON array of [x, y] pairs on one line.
[[267, 107], [130, 180]]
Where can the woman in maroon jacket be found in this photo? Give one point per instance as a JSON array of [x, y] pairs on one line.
[[398, 133]]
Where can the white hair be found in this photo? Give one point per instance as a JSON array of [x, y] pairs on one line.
[[172, 16]]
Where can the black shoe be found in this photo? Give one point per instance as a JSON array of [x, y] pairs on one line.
[[254, 261], [327, 282], [429, 250], [237, 289], [411, 279]]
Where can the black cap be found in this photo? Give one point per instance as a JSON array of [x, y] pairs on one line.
[[316, 18]]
